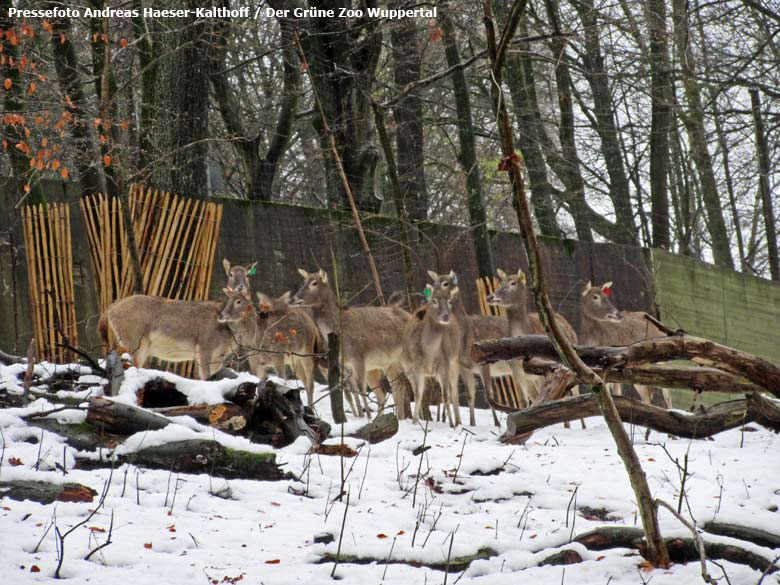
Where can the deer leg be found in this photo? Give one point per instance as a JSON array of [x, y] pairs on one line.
[[302, 371], [140, 355], [418, 385], [374, 379], [522, 381], [445, 381], [204, 365], [359, 372], [471, 388], [487, 384], [667, 394], [645, 393]]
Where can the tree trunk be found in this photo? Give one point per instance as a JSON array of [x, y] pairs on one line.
[[763, 185], [522, 90], [694, 124], [661, 121], [182, 103], [468, 153], [14, 133], [408, 114], [85, 151], [598, 79]]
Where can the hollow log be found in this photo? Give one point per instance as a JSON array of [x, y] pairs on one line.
[[681, 550], [713, 420], [382, 427], [679, 347], [201, 456], [45, 492]]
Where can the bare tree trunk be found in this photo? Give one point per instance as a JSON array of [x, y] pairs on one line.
[[661, 121], [763, 185], [656, 548], [85, 151], [468, 152], [408, 114], [694, 124], [598, 79]]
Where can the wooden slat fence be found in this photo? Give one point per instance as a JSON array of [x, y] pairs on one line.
[[50, 279], [176, 239], [507, 392]]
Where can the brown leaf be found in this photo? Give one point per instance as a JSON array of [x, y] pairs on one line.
[[7, 83], [15, 461], [380, 535], [436, 34], [35, 569], [273, 562], [77, 493], [147, 545]]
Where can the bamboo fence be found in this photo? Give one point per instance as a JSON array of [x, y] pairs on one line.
[[50, 279], [176, 239], [507, 392]]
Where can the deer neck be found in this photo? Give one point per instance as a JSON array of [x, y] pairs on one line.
[[326, 315], [517, 315], [245, 330]]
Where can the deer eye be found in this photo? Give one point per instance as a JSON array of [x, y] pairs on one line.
[[314, 283], [445, 284], [435, 302], [513, 283], [596, 298]]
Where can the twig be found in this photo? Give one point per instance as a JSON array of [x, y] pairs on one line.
[[341, 537], [697, 540]]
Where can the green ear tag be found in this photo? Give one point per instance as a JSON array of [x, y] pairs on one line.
[[253, 271], [428, 292]]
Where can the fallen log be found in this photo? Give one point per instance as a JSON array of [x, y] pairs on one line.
[[226, 416], [679, 347], [45, 492], [80, 436], [681, 550], [382, 427], [713, 420], [122, 419], [199, 456], [754, 535], [766, 412]]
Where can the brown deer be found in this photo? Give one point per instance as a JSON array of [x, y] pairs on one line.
[[273, 337], [603, 324], [473, 328], [371, 337], [238, 276], [432, 349], [171, 330], [174, 330], [512, 294]]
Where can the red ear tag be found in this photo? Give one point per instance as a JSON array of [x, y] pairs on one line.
[[607, 291]]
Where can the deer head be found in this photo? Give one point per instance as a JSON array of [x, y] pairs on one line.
[[313, 290], [439, 303], [238, 308], [596, 303], [511, 290], [238, 276]]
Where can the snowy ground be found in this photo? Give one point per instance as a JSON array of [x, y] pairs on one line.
[[522, 502]]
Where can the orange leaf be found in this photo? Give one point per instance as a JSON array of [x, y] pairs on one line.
[[123, 42], [275, 504], [147, 545], [35, 569], [64, 173], [32, 89], [380, 535], [400, 532], [15, 461], [273, 562], [46, 26], [7, 83], [27, 188], [123, 125], [107, 160], [62, 39], [96, 529], [436, 34], [44, 141], [55, 164]]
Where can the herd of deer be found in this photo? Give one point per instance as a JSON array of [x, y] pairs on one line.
[[292, 330]]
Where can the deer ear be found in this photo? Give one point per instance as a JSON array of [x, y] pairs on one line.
[[323, 276], [521, 274], [303, 273], [501, 274], [227, 290], [587, 288], [606, 285], [285, 298], [251, 270], [432, 275], [454, 292], [264, 299], [226, 265]]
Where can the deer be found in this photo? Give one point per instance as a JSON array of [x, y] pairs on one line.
[[274, 335], [473, 328], [238, 276], [432, 349], [603, 324], [371, 337], [512, 294], [171, 330], [175, 330]]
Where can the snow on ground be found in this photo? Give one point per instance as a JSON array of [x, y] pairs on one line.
[[524, 502]]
